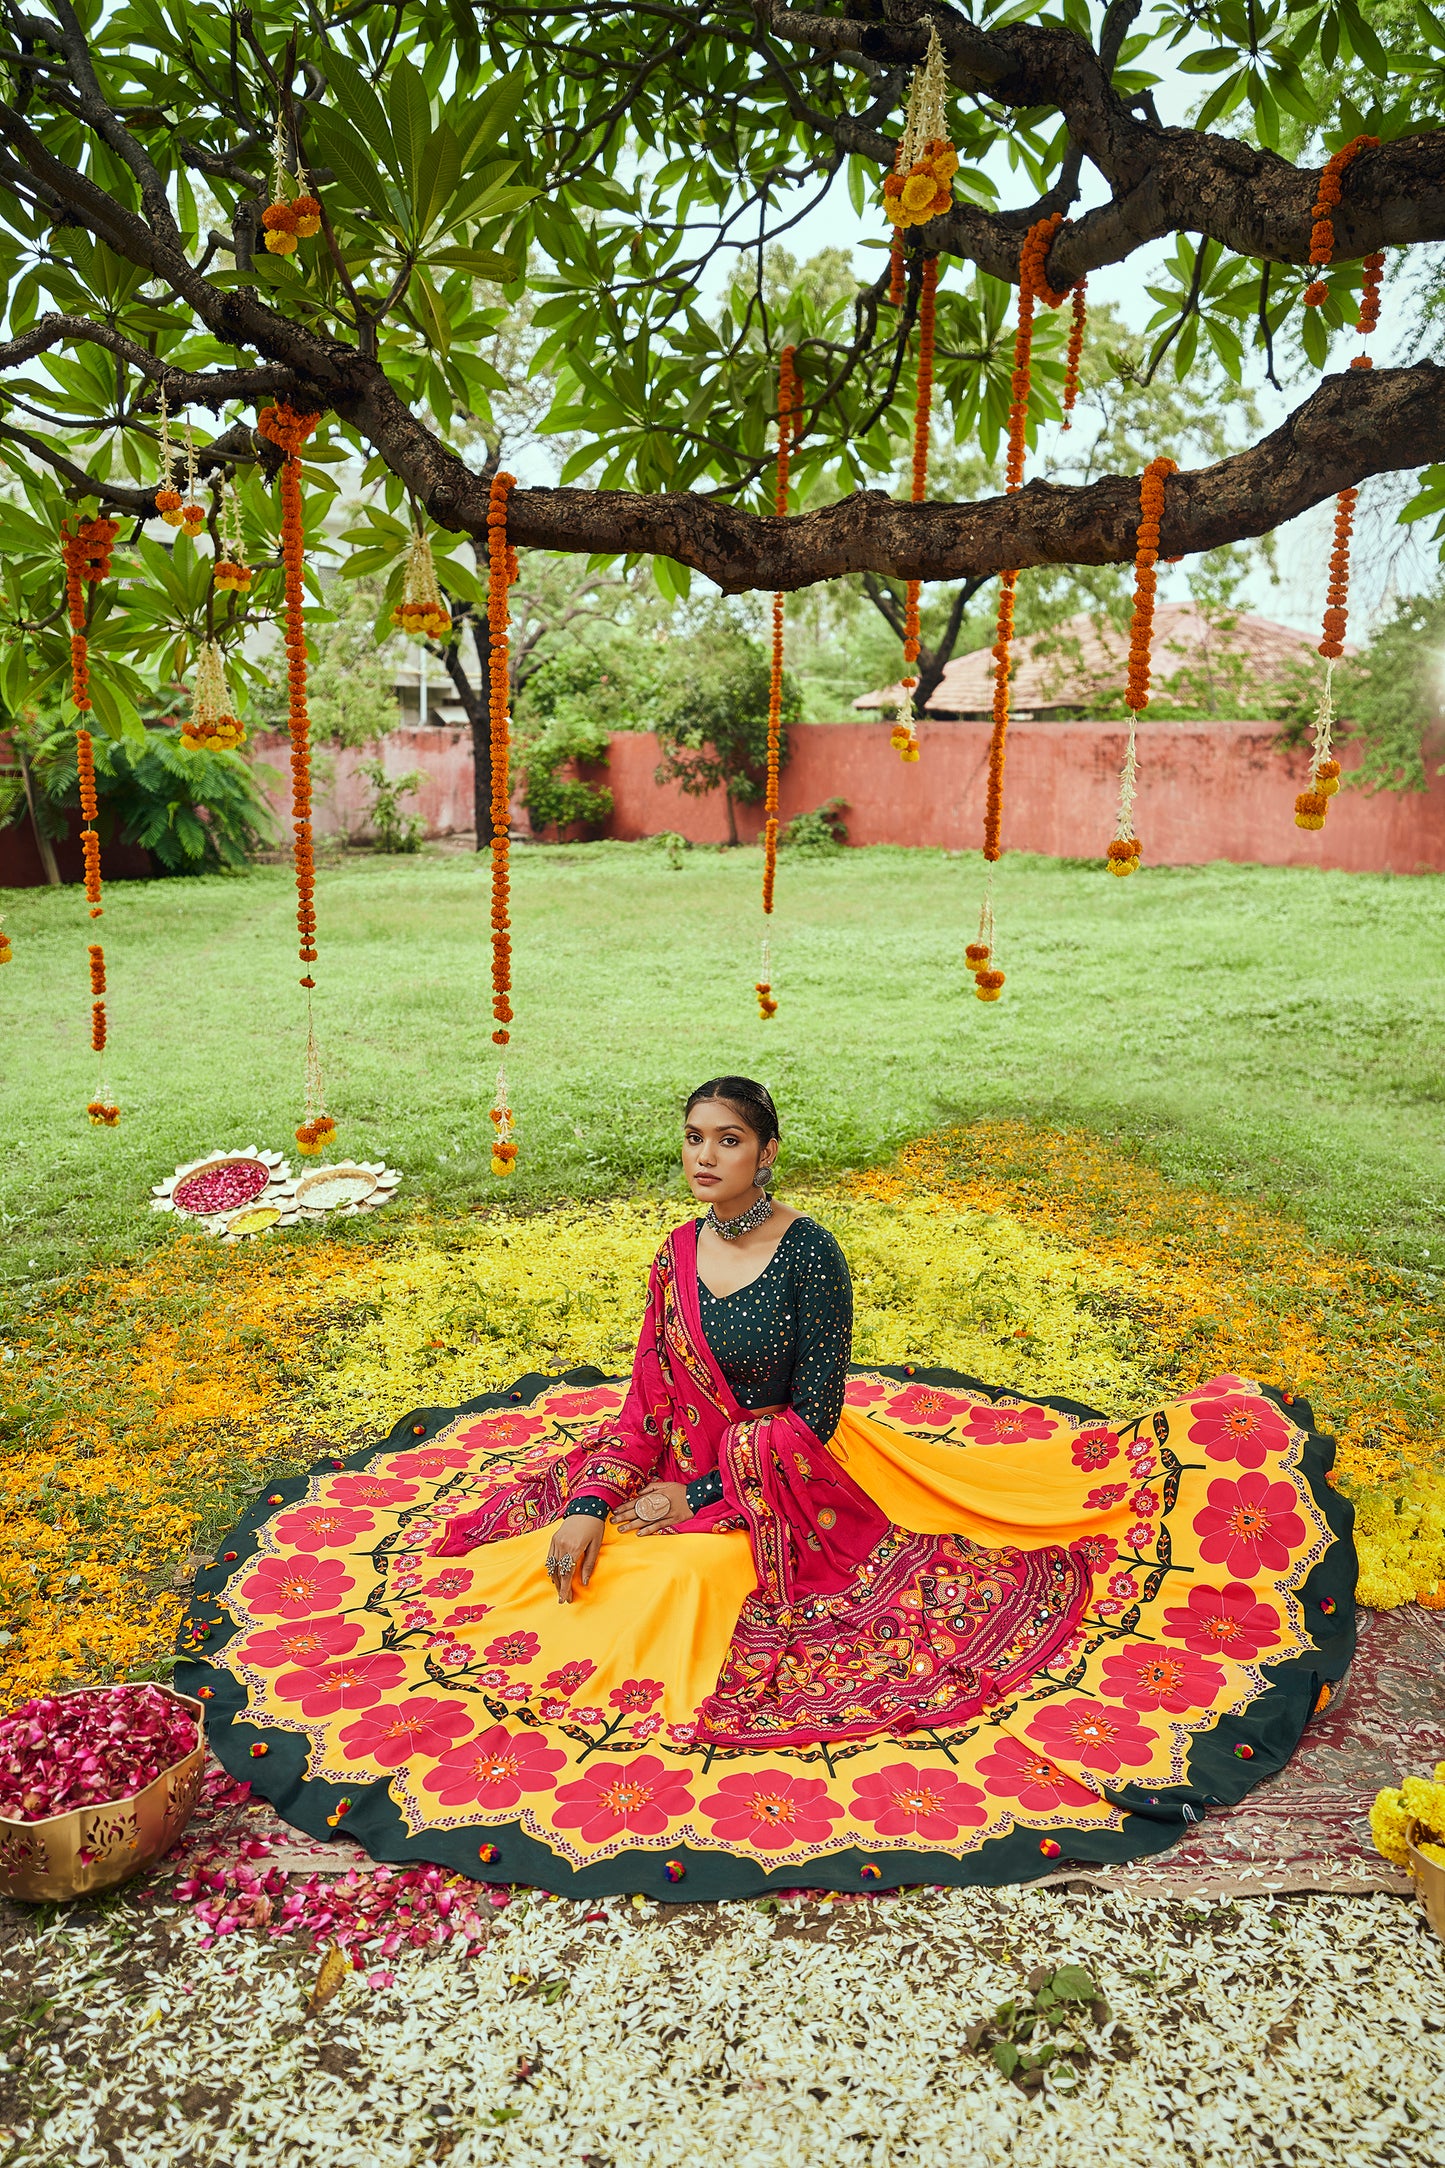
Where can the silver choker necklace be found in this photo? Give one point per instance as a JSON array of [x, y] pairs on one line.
[[745, 1221]]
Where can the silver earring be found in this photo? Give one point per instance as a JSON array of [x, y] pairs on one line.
[[763, 1179]]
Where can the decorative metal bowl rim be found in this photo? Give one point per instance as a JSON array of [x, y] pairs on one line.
[[99, 1806]]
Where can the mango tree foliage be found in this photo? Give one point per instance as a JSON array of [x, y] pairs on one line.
[[627, 167]]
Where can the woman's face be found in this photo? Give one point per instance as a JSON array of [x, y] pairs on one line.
[[721, 1156]]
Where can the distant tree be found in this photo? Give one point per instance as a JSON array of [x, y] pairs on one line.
[[352, 690], [711, 719], [1391, 695]]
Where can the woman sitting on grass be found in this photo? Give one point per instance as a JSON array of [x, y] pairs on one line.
[[762, 1618]]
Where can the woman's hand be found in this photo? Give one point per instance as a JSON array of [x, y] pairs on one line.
[[661, 1505], [572, 1554]]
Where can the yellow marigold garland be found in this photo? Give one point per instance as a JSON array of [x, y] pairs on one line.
[[1412, 1811], [904, 735], [287, 219], [210, 723], [501, 571], [1124, 851]]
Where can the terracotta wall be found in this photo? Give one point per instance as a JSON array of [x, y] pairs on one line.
[[1206, 791]]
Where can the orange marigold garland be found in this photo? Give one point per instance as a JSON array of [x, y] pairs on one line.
[[1078, 320], [1124, 851], [904, 736], [87, 554], [1312, 803], [231, 574], [282, 426], [501, 570], [1322, 232], [168, 497], [6, 951], [789, 411], [1033, 286], [210, 724]]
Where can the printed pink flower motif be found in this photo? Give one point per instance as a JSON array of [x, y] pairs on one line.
[[514, 1690], [682, 1734], [1105, 1495], [468, 1614], [1017, 1771], [494, 1769], [1143, 1676], [369, 1490], [1092, 1734], [296, 1587], [390, 1736], [771, 1811], [645, 1727], [1140, 1536], [352, 1682], [323, 1528], [569, 1678], [636, 1694], [587, 1715], [642, 1795], [405, 1584], [518, 1648], [1142, 1461], [1010, 1426], [906, 1801], [431, 1462], [1145, 1502], [501, 1432], [1241, 1427], [924, 1404], [1095, 1448], [1229, 1621], [1123, 1586], [1097, 1552], [308, 1643], [451, 1655], [596, 1400], [414, 1615], [451, 1581], [553, 1712], [1249, 1525], [860, 1392], [1108, 1607]]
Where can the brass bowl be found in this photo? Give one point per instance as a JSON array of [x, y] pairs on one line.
[[1429, 1879], [93, 1848]]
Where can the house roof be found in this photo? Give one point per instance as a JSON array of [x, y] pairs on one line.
[[1080, 662]]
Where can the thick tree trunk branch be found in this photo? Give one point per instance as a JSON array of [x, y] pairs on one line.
[[1162, 180], [213, 388], [1357, 424]]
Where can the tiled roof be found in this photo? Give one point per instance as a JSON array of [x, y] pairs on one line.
[[1077, 663]]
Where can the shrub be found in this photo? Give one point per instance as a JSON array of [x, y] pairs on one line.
[[198, 812], [395, 830], [824, 829]]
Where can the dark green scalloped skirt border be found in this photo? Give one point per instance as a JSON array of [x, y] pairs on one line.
[[1270, 1729]]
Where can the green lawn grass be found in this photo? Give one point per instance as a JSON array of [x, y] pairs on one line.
[[1263, 1030]]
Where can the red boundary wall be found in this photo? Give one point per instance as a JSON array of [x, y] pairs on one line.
[[1206, 791]]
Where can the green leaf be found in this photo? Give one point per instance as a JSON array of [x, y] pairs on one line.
[[344, 151], [489, 117], [1315, 338], [409, 110], [1072, 1984], [441, 170], [1368, 49], [1005, 2056], [483, 263], [359, 102]]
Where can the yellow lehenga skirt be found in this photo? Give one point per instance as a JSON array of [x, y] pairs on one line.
[[448, 1709]]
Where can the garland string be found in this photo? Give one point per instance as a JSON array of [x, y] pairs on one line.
[[86, 555], [1033, 287], [501, 572], [282, 426], [789, 407], [904, 735]]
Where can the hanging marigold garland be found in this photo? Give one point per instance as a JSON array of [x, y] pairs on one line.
[[1125, 849], [231, 574], [422, 611], [1312, 803], [501, 572], [904, 736], [1079, 316], [282, 426], [1033, 287], [286, 218], [789, 413], [1327, 197], [211, 725], [6, 951], [86, 554], [920, 187]]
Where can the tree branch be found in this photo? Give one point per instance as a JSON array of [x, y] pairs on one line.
[[213, 388]]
